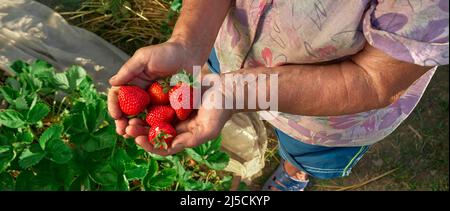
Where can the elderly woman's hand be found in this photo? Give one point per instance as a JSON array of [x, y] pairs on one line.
[[146, 65]]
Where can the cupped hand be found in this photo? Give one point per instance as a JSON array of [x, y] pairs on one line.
[[203, 126], [146, 65]]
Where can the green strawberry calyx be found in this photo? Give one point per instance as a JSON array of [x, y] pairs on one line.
[[160, 140]]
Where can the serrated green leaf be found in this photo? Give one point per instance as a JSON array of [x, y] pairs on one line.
[[37, 112], [19, 67], [41, 68], [31, 156], [193, 185], [24, 181], [62, 81], [218, 161], [152, 167], [119, 160], [13, 83], [164, 179], [26, 136], [176, 5], [105, 175], [58, 152], [194, 155], [104, 138], [136, 172], [7, 154], [6, 182], [11, 119], [75, 75], [53, 132], [20, 103], [27, 181], [9, 94], [214, 145], [121, 185]]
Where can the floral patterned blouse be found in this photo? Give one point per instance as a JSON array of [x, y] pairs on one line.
[[276, 32]]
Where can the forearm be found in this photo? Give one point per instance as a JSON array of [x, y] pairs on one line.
[[198, 25], [369, 80], [322, 90]]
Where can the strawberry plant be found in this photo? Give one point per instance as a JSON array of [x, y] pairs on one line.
[[56, 134]]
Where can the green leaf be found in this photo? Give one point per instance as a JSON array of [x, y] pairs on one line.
[[24, 181], [11, 119], [192, 185], [58, 152], [26, 136], [31, 156], [164, 179], [13, 83], [53, 132], [119, 160], [6, 182], [27, 181], [121, 185], [194, 155], [105, 175], [218, 161], [176, 5], [20, 103], [104, 138], [9, 94], [19, 67], [41, 67], [75, 75], [37, 112], [214, 145], [62, 81], [67, 174], [7, 154], [136, 171], [152, 167]]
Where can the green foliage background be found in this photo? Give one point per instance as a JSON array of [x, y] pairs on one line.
[[56, 134]]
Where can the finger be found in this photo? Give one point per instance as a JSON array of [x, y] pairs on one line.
[[140, 82], [145, 144], [121, 124], [113, 103], [179, 143], [133, 67], [126, 136], [136, 130], [184, 139], [137, 121], [182, 127]]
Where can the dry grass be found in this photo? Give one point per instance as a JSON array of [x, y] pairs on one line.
[[128, 25]]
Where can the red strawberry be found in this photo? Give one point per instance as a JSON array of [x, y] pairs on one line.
[[159, 92], [160, 113], [181, 100], [132, 100], [161, 135]]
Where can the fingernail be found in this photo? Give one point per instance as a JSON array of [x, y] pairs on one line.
[[112, 79]]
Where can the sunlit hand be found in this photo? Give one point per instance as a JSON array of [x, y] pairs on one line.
[[205, 125], [146, 65]]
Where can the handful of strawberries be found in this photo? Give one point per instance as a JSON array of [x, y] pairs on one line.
[[164, 105]]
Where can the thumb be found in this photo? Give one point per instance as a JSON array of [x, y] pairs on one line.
[[131, 69]]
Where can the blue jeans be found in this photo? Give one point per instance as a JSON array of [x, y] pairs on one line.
[[317, 161]]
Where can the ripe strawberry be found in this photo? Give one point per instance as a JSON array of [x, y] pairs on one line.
[[181, 99], [159, 92], [160, 113], [161, 135], [132, 100]]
